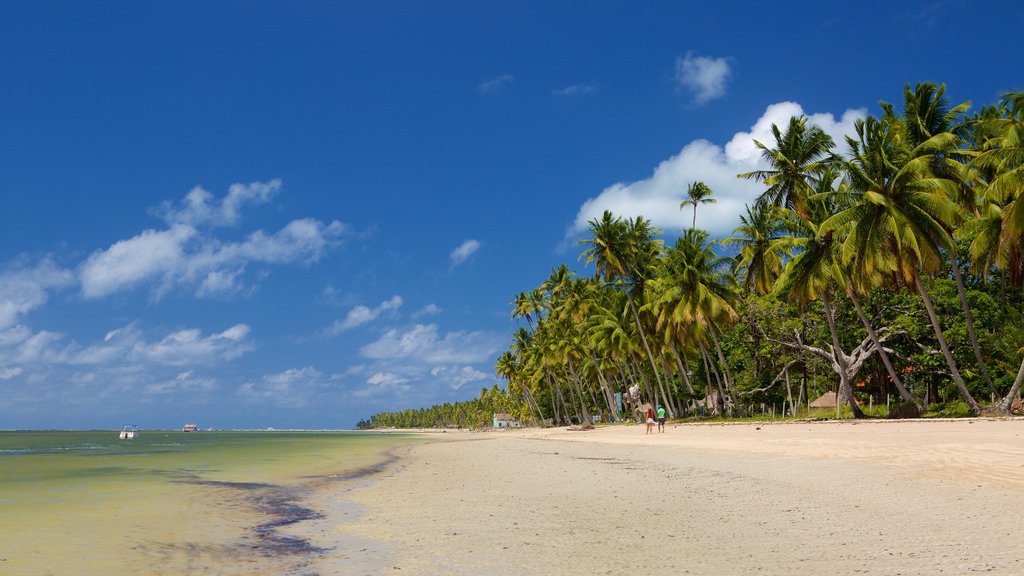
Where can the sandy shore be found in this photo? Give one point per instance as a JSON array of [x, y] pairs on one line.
[[908, 498]]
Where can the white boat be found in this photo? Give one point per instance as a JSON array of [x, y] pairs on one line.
[[190, 428], [128, 433]]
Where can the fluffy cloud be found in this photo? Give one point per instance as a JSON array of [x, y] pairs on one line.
[[702, 76], [199, 207], [464, 251], [183, 255], [23, 289], [457, 377], [382, 383], [495, 84], [363, 315], [295, 388], [428, 310], [423, 343], [658, 197]]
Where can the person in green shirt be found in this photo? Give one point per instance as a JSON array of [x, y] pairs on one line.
[[661, 418]]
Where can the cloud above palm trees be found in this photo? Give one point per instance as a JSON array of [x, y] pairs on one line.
[[658, 196]]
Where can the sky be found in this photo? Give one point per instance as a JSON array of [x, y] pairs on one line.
[[296, 215]]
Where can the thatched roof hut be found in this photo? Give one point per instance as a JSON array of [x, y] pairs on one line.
[[826, 400]]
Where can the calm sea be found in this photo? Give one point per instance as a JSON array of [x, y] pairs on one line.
[[81, 503]]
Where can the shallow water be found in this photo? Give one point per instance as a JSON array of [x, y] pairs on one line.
[[168, 502]]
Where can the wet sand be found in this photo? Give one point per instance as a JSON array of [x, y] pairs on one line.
[[909, 498]]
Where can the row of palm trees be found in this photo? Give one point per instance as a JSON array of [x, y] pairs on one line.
[[921, 199]]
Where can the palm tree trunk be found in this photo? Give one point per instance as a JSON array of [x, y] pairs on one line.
[[584, 411], [970, 328], [845, 386], [667, 391], [1007, 402], [609, 393], [709, 368], [643, 337], [972, 404], [725, 367], [683, 368], [555, 397], [904, 393]]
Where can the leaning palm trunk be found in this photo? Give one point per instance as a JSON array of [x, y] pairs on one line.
[[970, 329], [683, 365], [1007, 402], [555, 397], [584, 411], [725, 368], [643, 337], [609, 394], [904, 393], [667, 391], [710, 370], [972, 404]]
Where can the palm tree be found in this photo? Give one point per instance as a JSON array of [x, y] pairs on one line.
[[794, 159], [625, 251], [698, 193], [695, 290], [764, 245], [927, 115], [899, 225], [1002, 156]]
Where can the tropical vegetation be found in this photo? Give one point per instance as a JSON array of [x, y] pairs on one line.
[[888, 269]]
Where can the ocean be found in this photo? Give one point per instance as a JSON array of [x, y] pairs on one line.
[[170, 502]]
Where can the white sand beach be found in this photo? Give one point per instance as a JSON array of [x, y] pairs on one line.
[[879, 497]]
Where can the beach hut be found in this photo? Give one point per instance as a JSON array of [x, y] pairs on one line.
[[826, 400], [506, 421]]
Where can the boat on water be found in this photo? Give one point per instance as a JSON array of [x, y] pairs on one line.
[[190, 428], [129, 433]]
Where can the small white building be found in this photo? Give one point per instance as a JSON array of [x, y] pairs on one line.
[[506, 421]]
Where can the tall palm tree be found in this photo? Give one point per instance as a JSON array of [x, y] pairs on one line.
[[794, 158], [900, 224], [625, 251], [926, 115], [1002, 155], [697, 193], [695, 289]]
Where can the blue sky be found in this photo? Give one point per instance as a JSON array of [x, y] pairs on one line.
[[252, 214]]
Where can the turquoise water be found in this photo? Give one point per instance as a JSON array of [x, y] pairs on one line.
[[169, 502]]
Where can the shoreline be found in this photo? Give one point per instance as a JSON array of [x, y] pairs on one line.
[[908, 497]]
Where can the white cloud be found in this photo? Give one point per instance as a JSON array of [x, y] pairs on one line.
[[8, 373], [423, 343], [457, 377], [658, 197], [428, 310], [464, 251], [183, 382], [295, 388], [128, 262], [495, 84], [703, 76], [181, 255], [574, 90], [382, 383], [25, 289], [362, 315], [197, 208]]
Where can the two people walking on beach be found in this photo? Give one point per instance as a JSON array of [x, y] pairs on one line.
[[650, 419]]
